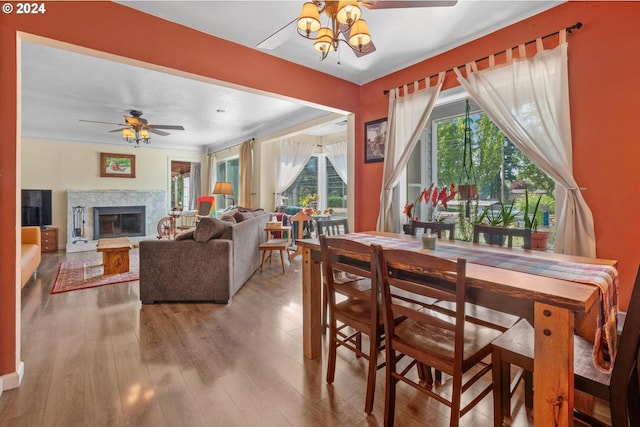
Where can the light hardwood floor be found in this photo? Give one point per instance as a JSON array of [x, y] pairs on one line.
[[97, 357]]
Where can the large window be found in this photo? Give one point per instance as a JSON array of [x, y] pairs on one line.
[[318, 183], [500, 171], [228, 170]]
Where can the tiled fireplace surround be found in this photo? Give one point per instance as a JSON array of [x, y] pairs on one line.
[[153, 200]]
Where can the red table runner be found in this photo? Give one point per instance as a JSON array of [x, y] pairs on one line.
[[604, 277]]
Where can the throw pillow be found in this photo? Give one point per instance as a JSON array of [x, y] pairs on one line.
[[185, 234], [210, 228], [228, 218]]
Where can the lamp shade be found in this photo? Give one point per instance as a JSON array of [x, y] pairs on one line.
[[309, 19], [348, 12], [144, 134], [128, 133], [222, 187], [324, 40], [359, 35]]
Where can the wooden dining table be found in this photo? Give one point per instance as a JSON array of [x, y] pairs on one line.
[[551, 304]]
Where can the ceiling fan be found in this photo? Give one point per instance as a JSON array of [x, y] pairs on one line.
[[344, 24], [136, 129], [137, 123]]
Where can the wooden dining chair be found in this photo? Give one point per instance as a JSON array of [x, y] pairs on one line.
[[620, 388], [448, 343], [501, 235], [333, 227], [435, 227], [350, 285], [203, 208]]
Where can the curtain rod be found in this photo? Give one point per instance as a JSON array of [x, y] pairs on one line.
[[232, 146], [570, 29]]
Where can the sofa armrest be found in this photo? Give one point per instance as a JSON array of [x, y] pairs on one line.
[[31, 235], [186, 270]]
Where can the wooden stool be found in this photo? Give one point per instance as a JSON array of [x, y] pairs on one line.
[[274, 245]]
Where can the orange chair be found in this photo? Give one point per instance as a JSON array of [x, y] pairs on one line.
[[204, 207]]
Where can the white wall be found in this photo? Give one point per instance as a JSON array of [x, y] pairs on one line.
[[62, 166]]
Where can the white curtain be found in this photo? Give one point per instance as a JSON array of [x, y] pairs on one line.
[[337, 155], [195, 182], [212, 172], [246, 174], [291, 157], [528, 99], [407, 117]]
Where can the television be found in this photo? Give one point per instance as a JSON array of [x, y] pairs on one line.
[[36, 207]]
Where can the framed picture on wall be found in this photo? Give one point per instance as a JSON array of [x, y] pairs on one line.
[[375, 137], [117, 165]]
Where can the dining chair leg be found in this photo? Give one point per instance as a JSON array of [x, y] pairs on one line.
[[282, 259], [501, 373], [390, 390], [374, 343], [456, 397], [331, 363]]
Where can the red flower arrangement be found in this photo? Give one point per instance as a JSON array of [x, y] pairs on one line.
[[434, 195]]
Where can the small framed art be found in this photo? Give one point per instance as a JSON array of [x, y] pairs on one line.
[[117, 165], [375, 138]]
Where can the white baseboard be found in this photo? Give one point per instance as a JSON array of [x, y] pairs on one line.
[[13, 379]]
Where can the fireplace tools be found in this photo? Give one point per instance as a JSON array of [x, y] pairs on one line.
[[78, 232]]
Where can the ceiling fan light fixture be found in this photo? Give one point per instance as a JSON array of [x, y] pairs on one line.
[[127, 134], [324, 40], [348, 12], [144, 134], [309, 19], [359, 35]]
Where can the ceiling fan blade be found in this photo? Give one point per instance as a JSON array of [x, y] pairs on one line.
[[119, 130], [158, 132], [277, 38], [104, 123], [172, 127], [389, 4]]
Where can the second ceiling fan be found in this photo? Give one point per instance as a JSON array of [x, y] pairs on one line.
[[136, 129]]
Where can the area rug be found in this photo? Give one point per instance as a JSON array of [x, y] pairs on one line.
[[83, 274]]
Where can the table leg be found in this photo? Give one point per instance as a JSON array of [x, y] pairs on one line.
[[553, 366], [311, 306]]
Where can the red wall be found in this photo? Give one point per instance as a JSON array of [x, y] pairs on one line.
[[603, 90], [604, 97]]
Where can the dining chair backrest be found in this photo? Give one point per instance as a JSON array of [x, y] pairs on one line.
[[298, 220], [425, 273], [435, 227], [332, 227], [343, 259], [625, 366], [501, 235]]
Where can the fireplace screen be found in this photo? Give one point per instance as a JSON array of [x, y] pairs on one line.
[[117, 221]]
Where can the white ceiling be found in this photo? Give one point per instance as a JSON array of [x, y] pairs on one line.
[[60, 87]]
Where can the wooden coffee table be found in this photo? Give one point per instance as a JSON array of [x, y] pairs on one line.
[[115, 254]]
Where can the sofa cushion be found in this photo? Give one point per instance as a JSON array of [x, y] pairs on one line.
[[228, 218], [245, 215], [210, 228], [185, 234]]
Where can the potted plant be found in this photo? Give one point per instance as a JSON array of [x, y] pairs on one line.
[[504, 217], [539, 239]]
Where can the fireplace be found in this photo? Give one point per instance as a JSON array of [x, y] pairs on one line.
[[116, 221]]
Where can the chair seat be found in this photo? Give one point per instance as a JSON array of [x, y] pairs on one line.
[[516, 346], [440, 342], [274, 244]]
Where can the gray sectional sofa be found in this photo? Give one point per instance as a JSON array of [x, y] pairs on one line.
[[210, 263]]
